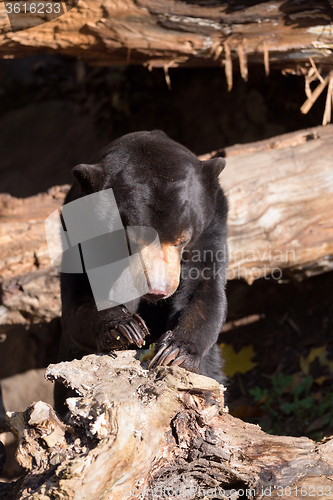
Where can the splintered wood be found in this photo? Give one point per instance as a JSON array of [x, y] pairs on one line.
[[243, 61], [311, 75]]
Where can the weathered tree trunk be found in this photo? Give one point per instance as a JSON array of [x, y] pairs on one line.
[[172, 32], [163, 432], [280, 193], [30, 291]]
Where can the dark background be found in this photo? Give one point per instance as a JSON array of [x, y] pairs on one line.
[[56, 112]]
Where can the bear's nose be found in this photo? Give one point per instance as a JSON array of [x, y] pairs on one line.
[[155, 295]]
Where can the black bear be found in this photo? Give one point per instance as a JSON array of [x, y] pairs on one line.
[[157, 183]]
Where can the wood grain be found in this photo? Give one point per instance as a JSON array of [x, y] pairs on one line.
[[280, 194], [131, 429], [173, 33]]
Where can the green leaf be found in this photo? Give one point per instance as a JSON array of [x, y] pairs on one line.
[[288, 408]]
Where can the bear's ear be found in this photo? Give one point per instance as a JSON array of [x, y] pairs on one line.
[[213, 167], [89, 177]]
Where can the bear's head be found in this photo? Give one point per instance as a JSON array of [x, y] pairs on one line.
[[158, 184]]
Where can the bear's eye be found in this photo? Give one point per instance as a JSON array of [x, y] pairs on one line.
[[182, 243], [183, 239]]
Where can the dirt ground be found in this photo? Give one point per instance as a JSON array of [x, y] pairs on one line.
[[56, 112]]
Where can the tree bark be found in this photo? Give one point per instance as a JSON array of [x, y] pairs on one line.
[[169, 33], [166, 432]]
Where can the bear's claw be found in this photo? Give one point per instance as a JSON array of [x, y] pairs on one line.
[[164, 356], [133, 331], [174, 352], [130, 334], [179, 360], [141, 323]]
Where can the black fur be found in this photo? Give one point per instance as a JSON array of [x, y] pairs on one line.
[[160, 184]]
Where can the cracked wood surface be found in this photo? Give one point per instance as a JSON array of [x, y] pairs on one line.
[[132, 430]]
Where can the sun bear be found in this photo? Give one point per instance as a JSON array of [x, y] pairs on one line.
[[159, 184]]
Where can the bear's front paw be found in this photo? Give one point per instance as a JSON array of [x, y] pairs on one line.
[[127, 329], [173, 351]]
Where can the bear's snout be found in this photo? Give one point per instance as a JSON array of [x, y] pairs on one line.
[[162, 271], [155, 295]]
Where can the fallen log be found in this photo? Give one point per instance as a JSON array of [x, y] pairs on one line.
[[170, 33], [158, 434], [281, 205], [29, 287]]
